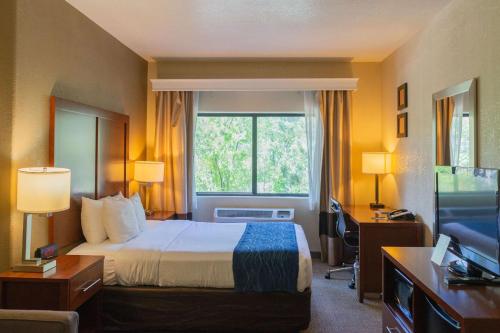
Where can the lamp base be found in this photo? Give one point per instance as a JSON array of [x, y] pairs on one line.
[[35, 266], [378, 205]]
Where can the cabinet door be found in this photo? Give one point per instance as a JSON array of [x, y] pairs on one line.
[[436, 320], [390, 324]]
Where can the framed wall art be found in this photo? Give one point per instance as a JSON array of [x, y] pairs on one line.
[[403, 96], [402, 125]]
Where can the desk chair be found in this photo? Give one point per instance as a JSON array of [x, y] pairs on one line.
[[349, 237]]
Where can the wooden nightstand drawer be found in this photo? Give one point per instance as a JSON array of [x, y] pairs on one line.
[[74, 285], [85, 285]]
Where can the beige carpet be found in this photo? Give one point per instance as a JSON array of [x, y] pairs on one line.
[[335, 307]]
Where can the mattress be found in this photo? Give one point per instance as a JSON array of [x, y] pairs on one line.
[[182, 254]]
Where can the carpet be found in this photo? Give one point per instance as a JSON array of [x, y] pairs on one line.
[[335, 308]]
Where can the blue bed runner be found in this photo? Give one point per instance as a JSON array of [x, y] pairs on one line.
[[266, 258]]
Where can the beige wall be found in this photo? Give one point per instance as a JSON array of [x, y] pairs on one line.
[[366, 118], [366, 127], [462, 42], [252, 68], [61, 52], [7, 25]]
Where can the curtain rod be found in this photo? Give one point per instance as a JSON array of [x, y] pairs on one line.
[[273, 84]]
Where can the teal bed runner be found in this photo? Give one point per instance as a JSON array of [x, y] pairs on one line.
[[266, 258]]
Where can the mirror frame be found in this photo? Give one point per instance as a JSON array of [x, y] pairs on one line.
[[470, 87]]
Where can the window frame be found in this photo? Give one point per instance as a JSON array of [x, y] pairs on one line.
[[254, 117]]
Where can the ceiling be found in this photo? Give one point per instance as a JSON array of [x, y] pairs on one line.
[[364, 30]]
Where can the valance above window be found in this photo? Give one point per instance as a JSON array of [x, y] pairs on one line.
[[251, 102], [266, 84]]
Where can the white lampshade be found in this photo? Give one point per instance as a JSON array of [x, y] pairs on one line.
[[148, 171], [376, 163], [43, 190]]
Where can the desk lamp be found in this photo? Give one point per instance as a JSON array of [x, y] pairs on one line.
[[376, 163], [40, 191], [147, 173]]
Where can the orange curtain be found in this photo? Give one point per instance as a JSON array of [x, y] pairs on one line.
[[174, 147], [444, 117], [336, 182]]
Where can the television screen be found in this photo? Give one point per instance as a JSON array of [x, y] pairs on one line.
[[467, 211]]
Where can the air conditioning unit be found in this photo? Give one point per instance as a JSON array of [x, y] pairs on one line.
[[235, 215]]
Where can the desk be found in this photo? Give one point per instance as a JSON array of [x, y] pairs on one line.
[[373, 234]]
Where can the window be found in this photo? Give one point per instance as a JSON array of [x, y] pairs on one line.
[[465, 149], [251, 154], [461, 127]]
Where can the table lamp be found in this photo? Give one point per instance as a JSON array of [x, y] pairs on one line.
[[147, 173], [40, 191], [376, 163]]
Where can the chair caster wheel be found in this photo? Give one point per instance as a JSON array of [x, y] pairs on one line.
[[327, 276]]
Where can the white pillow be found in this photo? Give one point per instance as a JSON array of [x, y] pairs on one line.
[[139, 211], [118, 217], [92, 226], [91, 219]]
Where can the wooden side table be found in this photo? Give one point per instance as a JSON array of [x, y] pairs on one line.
[[162, 215], [74, 285]]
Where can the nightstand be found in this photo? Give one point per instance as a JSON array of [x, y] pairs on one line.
[[74, 285], [162, 215]]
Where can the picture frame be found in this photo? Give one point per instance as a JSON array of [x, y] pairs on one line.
[[402, 125], [403, 96]]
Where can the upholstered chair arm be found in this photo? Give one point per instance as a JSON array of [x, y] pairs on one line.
[[38, 321]]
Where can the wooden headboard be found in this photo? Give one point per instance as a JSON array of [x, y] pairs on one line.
[[93, 144]]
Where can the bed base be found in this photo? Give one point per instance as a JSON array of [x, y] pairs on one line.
[[155, 309]]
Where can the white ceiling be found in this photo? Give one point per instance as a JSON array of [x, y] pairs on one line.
[[365, 30]]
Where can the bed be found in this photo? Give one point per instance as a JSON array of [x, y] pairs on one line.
[[176, 275]]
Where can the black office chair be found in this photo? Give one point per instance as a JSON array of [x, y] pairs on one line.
[[350, 237]]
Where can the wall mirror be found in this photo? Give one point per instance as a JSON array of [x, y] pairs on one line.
[[455, 121]]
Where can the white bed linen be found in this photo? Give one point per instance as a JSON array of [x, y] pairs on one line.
[[182, 254]]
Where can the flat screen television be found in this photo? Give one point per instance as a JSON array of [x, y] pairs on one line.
[[467, 210]]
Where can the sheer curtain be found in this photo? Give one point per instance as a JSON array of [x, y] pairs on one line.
[[456, 130], [314, 133], [174, 145], [328, 130], [196, 108]]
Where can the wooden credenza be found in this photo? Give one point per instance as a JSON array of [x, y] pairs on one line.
[[435, 307]]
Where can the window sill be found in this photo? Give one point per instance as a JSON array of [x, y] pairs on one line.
[[248, 196]]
